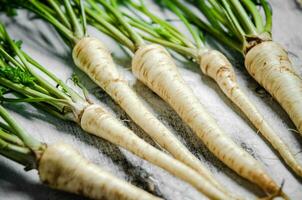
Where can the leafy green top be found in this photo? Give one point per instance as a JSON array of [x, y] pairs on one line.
[[157, 30], [16, 144], [16, 75], [117, 19], [22, 79], [67, 16], [19, 75], [236, 23]]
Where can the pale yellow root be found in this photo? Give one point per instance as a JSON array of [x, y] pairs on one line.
[[91, 56], [63, 168], [97, 121], [153, 65], [269, 65], [216, 65]]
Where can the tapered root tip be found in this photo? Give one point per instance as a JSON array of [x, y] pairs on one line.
[[280, 193], [265, 182]]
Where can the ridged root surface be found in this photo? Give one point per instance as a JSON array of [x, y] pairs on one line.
[[92, 57], [269, 65], [217, 66], [153, 65], [97, 121], [63, 168]]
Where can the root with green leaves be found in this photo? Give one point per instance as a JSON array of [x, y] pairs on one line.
[[153, 66], [52, 95], [211, 62], [92, 57], [61, 167]]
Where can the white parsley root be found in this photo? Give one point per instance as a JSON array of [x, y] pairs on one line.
[[63, 168], [153, 65], [91, 56]]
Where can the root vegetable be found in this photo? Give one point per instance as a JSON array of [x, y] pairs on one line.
[[91, 56], [63, 168], [215, 65], [97, 121], [269, 65], [69, 105], [153, 65]]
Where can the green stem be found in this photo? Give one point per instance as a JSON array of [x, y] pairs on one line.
[[33, 93], [61, 15], [255, 13], [43, 13], [111, 29], [223, 19], [21, 88], [30, 142], [21, 155], [141, 24], [223, 37], [239, 32], [187, 52], [10, 138], [79, 33], [210, 13], [69, 116], [217, 16], [155, 32], [45, 84], [101, 13], [101, 28], [137, 40], [168, 29], [251, 29], [268, 16], [5, 127], [10, 59], [73, 95], [217, 11], [83, 15], [193, 32], [40, 89], [32, 100], [144, 27]]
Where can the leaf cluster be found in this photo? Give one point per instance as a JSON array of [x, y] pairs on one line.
[[17, 75], [233, 21]]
